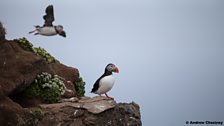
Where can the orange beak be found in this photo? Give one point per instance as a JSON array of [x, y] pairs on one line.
[[116, 70]]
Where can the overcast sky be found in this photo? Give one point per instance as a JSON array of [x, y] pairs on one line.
[[169, 53]]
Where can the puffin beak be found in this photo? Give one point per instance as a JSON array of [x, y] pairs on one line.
[[116, 70], [62, 34]]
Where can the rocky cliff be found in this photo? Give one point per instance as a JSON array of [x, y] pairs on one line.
[[22, 66]]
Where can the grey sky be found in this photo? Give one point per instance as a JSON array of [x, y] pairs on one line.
[[170, 53]]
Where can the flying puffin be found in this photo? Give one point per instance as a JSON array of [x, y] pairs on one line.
[[106, 81], [48, 29]]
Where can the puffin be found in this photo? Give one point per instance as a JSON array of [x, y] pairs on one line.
[[48, 29], [106, 81]]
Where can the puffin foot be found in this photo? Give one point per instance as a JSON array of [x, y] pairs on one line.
[[108, 96], [32, 32]]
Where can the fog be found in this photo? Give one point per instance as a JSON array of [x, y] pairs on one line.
[[169, 53]]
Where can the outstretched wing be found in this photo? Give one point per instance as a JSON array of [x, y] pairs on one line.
[[49, 17]]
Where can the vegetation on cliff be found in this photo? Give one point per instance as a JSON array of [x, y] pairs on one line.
[[26, 45], [42, 52], [47, 87], [79, 87]]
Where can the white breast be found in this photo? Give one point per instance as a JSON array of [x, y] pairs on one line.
[[105, 84], [48, 31]]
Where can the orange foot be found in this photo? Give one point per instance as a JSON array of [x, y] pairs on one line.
[[109, 96]]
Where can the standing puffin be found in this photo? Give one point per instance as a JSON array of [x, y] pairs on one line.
[[106, 81], [48, 29]]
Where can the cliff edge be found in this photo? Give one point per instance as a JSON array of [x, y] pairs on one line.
[[37, 90]]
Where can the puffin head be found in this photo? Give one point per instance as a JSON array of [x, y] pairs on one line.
[[60, 31], [111, 68]]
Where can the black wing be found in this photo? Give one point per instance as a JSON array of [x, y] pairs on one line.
[[97, 83], [49, 17], [96, 86]]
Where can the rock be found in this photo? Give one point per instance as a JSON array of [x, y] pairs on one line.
[[68, 73], [70, 114], [19, 68], [72, 99], [132, 114], [78, 114], [98, 104], [13, 114], [94, 105], [69, 85], [69, 93], [90, 121]]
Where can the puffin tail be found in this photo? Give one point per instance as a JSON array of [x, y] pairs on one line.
[[92, 91], [36, 26]]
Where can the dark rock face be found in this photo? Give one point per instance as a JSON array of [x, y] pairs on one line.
[[127, 115], [123, 114], [13, 114], [19, 68]]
